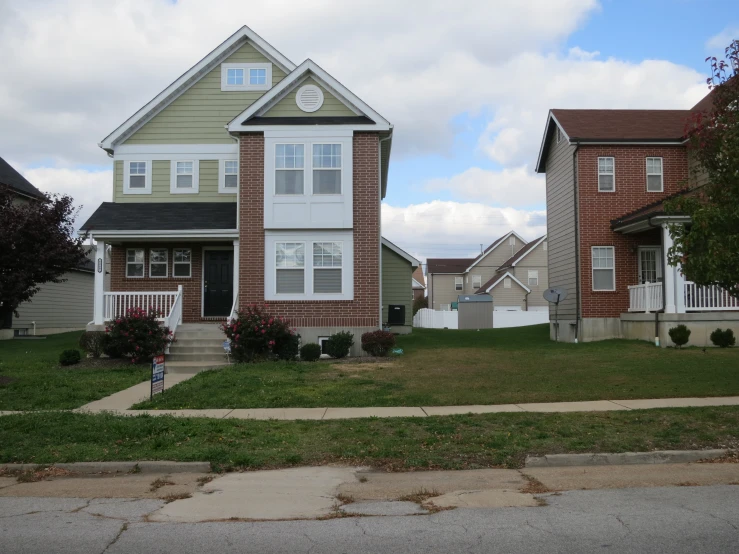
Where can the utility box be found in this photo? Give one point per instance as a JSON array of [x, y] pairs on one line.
[[475, 311], [396, 314]]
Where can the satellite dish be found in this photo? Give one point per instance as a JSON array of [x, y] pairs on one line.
[[555, 294]]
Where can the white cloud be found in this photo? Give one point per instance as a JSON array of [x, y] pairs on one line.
[[720, 41], [454, 229], [507, 187]]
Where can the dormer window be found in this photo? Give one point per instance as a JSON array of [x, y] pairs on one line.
[[246, 76]]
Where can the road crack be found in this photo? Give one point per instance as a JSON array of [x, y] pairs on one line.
[[118, 536]]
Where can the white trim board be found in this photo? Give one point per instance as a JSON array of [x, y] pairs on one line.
[[511, 276], [190, 77], [184, 149]]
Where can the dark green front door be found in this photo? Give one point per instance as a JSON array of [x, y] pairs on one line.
[[218, 284]]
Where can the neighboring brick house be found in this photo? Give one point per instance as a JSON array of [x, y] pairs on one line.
[[249, 180], [607, 175], [447, 278], [418, 283]]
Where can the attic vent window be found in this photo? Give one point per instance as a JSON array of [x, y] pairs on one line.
[[309, 98]]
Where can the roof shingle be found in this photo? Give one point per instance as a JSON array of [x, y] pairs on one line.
[[623, 125], [11, 178], [162, 216], [448, 265]]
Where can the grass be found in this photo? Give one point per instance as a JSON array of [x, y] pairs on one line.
[[32, 379], [450, 442], [442, 367]]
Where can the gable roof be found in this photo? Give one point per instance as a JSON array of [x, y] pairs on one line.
[[447, 265], [190, 77], [521, 254], [418, 276], [10, 177], [492, 283], [416, 285], [400, 252], [493, 246]]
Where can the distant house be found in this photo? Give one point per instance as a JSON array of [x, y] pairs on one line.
[[57, 307], [397, 297], [418, 283], [504, 269], [608, 173]]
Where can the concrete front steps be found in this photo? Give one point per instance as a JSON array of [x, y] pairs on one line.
[[198, 346]]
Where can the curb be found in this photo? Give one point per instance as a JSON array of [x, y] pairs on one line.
[[119, 467], [625, 458]]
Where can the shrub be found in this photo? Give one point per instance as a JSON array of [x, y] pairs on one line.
[[680, 335], [723, 339], [339, 344], [420, 303], [310, 352], [137, 335], [378, 343], [257, 335], [93, 342], [69, 357], [288, 349]]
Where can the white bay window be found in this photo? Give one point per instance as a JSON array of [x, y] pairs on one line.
[[327, 265], [289, 168], [327, 169], [290, 267]]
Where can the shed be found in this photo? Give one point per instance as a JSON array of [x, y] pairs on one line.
[[475, 311]]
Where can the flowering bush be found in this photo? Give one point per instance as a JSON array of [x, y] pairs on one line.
[[257, 335], [138, 335], [378, 343]]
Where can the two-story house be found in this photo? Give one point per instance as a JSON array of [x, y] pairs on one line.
[[510, 269], [608, 173], [249, 180]]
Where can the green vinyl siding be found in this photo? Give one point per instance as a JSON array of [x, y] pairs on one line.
[[198, 116], [160, 185], [397, 287], [287, 107]]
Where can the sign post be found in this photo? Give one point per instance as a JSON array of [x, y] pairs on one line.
[[157, 375]]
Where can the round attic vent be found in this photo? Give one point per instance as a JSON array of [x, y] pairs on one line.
[[309, 98]]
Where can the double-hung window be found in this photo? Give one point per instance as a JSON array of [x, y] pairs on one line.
[[458, 283], [533, 275], [476, 281], [182, 262], [289, 168], [327, 264], [606, 175], [654, 175], [327, 169], [604, 269], [137, 177], [184, 178], [135, 262], [290, 267], [157, 262], [228, 179]]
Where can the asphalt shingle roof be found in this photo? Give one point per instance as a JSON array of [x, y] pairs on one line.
[[11, 178], [162, 216], [448, 265], [623, 125]]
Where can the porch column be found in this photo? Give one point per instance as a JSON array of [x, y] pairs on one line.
[[236, 270], [99, 286], [670, 272]]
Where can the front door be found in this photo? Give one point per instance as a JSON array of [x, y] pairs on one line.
[[218, 283], [650, 264]]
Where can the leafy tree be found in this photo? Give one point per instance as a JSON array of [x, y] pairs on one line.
[[37, 246], [708, 248], [419, 303]]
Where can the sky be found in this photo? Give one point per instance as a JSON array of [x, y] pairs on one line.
[[467, 85]]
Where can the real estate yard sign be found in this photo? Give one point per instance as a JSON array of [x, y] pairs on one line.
[[157, 375]]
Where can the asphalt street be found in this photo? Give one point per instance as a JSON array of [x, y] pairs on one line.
[[650, 520]]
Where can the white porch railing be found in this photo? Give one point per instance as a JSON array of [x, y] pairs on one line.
[[708, 298], [115, 304], [232, 316], [645, 298]]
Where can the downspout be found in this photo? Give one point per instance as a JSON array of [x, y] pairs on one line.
[[379, 180], [577, 244]]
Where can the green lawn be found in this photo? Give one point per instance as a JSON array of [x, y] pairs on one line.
[[31, 378], [451, 442], [442, 367]]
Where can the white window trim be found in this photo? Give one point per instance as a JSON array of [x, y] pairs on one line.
[[612, 173], [458, 282], [321, 340], [222, 188], [143, 262], [304, 169], [476, 278], [661, 173], [189, 264], [314, 267], [530, 278], [276, 269], [127, 177], [195, 178], [340, 169], [345, 238], [165, 262], [225, 87], [593, 268]]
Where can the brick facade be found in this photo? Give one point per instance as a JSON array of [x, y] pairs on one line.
[[192, 288], [597, 209], [364, 310]]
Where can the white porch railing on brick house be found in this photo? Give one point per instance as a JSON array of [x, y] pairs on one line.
[[645, 298], [708, 298], [116, 304]]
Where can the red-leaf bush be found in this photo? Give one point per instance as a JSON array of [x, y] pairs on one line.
[[378, 343], [257, 335], [138, 335]]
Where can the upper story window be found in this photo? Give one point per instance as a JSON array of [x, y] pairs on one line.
[[604, 268], [184, 177], [289, 168], [157, 262], [137, 177], [246, 76], [135, 262], [606, 175], [654, 175], [476, 281], [533, 276], [327, 169], [228, 176], [458, 283]]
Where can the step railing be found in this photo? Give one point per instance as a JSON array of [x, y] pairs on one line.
[[234, 309], [174, 318], [646, 297], [709, 298]]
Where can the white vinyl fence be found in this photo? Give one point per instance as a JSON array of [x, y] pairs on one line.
[[434, 319]]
